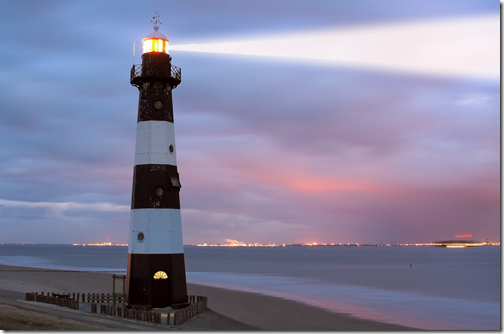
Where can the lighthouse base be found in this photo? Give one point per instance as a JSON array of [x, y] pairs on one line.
[[156, 281]]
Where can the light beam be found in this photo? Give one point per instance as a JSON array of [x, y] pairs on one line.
[[462, 47]]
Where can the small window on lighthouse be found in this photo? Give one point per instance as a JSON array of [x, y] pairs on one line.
[[159, 192], [140, 237], [175, 182], [160, 275]]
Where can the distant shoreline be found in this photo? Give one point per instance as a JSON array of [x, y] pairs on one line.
[[438, 243]]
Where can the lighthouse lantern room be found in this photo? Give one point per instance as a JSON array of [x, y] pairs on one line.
[[156, 269], [155, 42]]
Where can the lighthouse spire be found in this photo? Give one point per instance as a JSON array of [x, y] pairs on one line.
[[155, 21]]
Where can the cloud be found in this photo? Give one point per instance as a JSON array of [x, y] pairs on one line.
[[60, 207], [335, 171], [202, 225], [474, 98], [269, 150], [62, 222]]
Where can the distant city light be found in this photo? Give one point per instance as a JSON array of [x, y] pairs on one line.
[[446, 244], [108, 243]]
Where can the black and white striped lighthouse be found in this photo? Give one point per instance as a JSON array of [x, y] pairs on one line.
[[156, 270]]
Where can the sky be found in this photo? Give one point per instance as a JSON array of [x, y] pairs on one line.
[[296, 121]]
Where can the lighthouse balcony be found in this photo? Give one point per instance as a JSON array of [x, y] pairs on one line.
[[139, 75]]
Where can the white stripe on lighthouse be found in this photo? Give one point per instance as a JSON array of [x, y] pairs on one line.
[[162, 229], [153, 140]]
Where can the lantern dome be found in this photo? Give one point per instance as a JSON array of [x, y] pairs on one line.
[[155, 42]]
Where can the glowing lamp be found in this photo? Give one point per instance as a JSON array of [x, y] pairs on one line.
[[155, 42]]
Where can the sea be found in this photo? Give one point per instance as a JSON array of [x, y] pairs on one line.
[[424, 287]]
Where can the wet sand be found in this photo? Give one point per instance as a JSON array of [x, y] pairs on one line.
[[259, 311]]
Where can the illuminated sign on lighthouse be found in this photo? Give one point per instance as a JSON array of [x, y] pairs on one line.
[[156, 270]]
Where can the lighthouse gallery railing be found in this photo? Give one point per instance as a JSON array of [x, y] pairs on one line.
[[136, 72]]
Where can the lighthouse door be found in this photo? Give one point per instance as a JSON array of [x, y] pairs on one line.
[[161, 294]]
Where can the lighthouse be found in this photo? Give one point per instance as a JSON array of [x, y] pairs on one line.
[[156, 271]]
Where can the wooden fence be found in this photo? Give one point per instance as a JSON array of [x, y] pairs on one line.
[[89, 297], [136, 314], [102, 298], [55, 299], [197, 304]]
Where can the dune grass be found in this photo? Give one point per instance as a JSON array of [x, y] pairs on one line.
[[16, 318]]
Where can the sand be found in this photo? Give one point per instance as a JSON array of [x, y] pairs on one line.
[[249, 310]]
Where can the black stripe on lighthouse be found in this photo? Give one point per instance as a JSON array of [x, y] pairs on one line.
[[156, 269], [155, 186]]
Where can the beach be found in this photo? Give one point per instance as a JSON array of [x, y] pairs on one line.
[[251, 310]]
